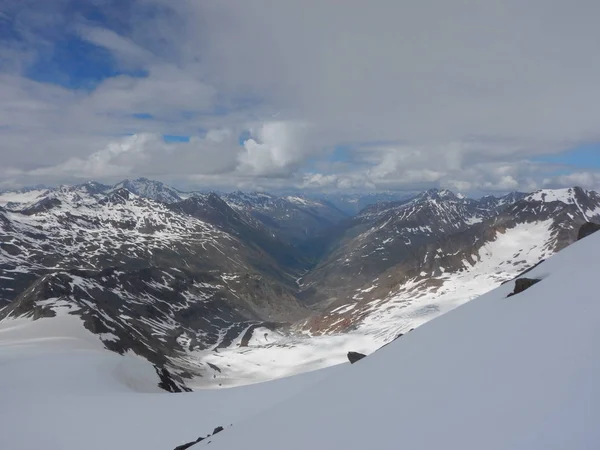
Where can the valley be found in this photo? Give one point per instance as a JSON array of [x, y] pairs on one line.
[[224, 290]]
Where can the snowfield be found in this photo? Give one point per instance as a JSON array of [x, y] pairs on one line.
[[495, 373], [21, 198], [61, 390]]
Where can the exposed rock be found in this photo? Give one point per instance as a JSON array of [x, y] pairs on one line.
[[355, 356], [167, 383], [586, 229], [189, 444], [522, 284], [41, 206], [213, 367]]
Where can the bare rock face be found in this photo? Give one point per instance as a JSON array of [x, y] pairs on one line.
[[522, 284], [355, 356], [587, 229]]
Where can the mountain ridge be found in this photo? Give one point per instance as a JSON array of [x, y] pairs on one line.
[[213, 277]]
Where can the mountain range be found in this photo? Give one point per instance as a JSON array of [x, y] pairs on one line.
[[232, 288]]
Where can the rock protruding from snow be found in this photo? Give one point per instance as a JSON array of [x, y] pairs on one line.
[[189, 444], [355, 357], [522, 284], [587, 229], [200, 439]]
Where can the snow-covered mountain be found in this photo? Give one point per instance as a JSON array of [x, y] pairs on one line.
[[146, 276], [154, 190], [495, 204], [390, 233], [249, 287], [292, 217], [500, 372], [13, 199], [436, 248]]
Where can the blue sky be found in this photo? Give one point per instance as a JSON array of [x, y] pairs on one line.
[[260, 95], [582, 157], [173, 138], [75, 64]]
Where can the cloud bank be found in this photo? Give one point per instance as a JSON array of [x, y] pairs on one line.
[[465, 95]]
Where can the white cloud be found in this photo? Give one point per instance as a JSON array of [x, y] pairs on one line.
[[420, 94], [139, 155], [123, 48], [274, 149], [586, 180], [117, 159]]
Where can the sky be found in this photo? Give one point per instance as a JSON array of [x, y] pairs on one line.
[[307, 94]]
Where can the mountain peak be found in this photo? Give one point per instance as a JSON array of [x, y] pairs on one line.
[[563, 195], [154, 190], [439, 194]]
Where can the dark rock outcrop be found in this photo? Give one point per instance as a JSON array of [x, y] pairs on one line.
[[586, 229], [189, 444], [355, 356], [41, 206], [522, 284], [167, 383]]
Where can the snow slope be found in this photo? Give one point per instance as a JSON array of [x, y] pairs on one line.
[[497, 373], [22, 197], [60, 390]]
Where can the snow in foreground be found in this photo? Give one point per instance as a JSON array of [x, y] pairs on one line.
[[64, 391], [496, 373]]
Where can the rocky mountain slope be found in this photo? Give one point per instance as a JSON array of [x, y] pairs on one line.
[[147, 276], [293, 218], [153, 190], [438, 244], [247, 287]]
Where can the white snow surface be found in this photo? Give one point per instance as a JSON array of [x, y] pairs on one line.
[[21, 198], [61, 390], [565, 195]]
